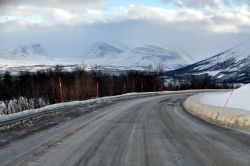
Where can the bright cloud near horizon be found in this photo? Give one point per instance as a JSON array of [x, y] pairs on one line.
[[200, 27]]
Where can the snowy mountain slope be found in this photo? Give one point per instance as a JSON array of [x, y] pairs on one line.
[[24, 52], [30, 57], [155, 54], [136, 57], [101, 49], [230, 65], [25, 55]]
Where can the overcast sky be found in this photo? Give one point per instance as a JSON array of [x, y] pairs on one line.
[[66, 27]]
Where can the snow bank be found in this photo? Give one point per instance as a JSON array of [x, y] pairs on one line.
[[239, 98], [20, 104], [15, 117], [226, 108]]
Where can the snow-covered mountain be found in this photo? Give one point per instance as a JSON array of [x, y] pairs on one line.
[[25, 55], [24, 52], [31, 58], [101, 49], [230, 65], [108, 57], [139, 57]]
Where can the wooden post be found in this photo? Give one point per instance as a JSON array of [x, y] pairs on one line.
[[97, 89], [141, 86], [133, 86], [60, 90], [225, 105], [124, 88]]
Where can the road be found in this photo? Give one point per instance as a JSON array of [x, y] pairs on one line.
[[144, 131]]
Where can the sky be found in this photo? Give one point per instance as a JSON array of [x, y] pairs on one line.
[[202, 28]]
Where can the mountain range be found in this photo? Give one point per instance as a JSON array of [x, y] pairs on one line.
[[231, 65], [104, 55]]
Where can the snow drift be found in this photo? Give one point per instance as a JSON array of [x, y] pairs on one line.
[[225, 108], [238, 98]]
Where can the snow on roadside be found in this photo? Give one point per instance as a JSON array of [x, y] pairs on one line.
[[20, 104], [107, 99], [239, 98], [95, 101]]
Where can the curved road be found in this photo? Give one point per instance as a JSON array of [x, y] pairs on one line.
[[144, 131]]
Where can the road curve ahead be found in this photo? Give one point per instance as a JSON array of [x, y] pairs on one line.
[[145, 131]]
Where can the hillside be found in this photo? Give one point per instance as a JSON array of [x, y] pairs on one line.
[[231, 65]]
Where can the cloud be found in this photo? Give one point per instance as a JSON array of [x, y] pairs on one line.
[[66, 4], [67, 41], [200, 32], [193, 3], [187, 19], [205, 4], [234, 21]]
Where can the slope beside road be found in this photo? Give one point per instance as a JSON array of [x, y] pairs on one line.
[[144, 131]]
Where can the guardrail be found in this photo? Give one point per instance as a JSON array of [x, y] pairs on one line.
[[29, 116], [62, 107]]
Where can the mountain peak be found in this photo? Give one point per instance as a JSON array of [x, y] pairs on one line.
[[136, 57], [101, 49], [29, 54], [26, 51], [36, 47]]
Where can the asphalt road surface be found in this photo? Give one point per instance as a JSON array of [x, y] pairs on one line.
[[143, 131]]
